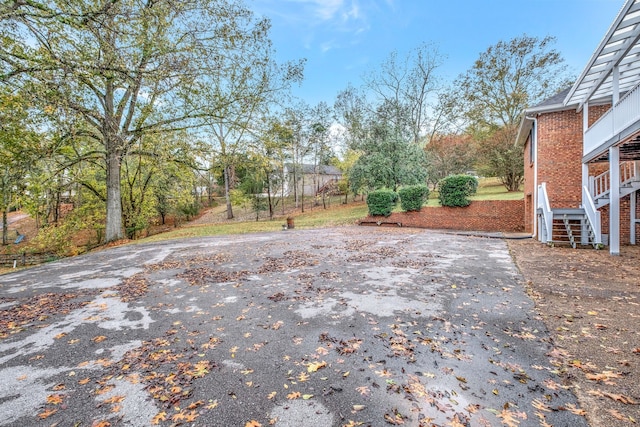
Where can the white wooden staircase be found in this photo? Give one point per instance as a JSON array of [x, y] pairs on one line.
[[600, 186], [582, 225]]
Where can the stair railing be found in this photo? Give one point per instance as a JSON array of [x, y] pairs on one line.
[[592, 215], [600, 185], [547, 214]]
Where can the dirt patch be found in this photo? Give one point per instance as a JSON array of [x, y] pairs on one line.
[[590, 302]]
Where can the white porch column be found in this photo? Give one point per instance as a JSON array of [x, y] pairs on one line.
[[615, 83], [585, 118], [585, 175], [632, 215], [614, 205]]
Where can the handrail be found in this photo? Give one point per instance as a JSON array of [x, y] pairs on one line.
[[547, 214], [621, 115], [592, 214], [602, 185]]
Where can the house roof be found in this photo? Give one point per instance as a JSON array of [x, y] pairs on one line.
[[620, 47], [549, 105], [555, 102]]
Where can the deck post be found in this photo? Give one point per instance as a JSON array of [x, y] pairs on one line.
[[614, 205], [632, 215]]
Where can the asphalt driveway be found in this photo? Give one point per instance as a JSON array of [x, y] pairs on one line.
[[330, 327]]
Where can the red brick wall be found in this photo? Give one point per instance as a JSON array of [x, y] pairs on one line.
[[491, 215], [560, 157], [559, 141], [625, 219]]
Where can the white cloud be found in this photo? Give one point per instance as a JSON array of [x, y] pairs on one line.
[[327, 24]]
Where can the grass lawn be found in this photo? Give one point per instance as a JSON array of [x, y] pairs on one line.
[[488, 189], [335, 216]]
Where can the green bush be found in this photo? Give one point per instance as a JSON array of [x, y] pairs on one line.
[[455, 190], [381, 202], [413, 197]]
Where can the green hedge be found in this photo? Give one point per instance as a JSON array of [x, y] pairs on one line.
[[454, 190], [413, 197], [381, 202]]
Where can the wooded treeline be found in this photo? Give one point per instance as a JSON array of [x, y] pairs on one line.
[[143, 109]]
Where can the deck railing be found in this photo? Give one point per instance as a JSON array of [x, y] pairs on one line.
[[624, 113]]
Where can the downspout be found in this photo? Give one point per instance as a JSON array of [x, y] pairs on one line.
[[534, 142]]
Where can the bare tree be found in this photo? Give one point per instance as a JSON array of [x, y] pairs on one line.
[[408, 84]]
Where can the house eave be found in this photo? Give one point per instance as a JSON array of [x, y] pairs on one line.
[[529, 115]]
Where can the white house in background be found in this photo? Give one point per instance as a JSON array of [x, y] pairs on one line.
[[312, 178]]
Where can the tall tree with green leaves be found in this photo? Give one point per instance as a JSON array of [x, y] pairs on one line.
[[124, 69], [505, 79], [387, 161], [17, 144], [247, 83]]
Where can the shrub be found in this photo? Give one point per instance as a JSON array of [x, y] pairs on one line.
[[381, 202], [413, 197], [455, 189]]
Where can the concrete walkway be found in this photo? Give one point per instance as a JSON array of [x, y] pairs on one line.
[[330, 327]]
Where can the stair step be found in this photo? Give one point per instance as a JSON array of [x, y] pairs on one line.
[[568, 211], [575, 217]]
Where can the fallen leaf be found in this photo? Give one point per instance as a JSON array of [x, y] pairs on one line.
[[394, 419], [539, 405], [47, 413], [314, 366], [363, 390], [114, 399], [616, 414], [194, 405], [575, 410], [160, 416], [294, 395], [54, 399]]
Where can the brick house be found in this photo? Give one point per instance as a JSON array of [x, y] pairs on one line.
[[582, 148]]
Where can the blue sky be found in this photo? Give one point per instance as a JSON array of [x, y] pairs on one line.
[[343, 39]]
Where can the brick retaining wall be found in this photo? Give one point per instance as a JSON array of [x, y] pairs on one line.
[[490, 215]]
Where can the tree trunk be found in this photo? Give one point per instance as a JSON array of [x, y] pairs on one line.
[[5, 227], [295, 186], [257, 202], [269, 197], [113, 229], [282, 194], [302, 193], [227, 197]]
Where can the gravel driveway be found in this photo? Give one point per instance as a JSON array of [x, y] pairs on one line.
[[329, 327]]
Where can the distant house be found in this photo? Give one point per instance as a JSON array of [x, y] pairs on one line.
[[313, 179], [582, 148]]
